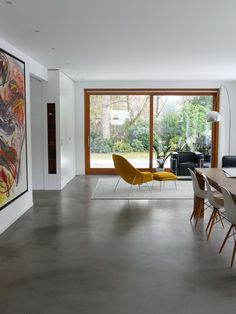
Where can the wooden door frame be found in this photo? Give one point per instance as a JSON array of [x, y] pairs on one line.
[[149, 92]]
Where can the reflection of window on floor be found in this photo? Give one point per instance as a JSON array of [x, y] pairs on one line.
[[122, 124]]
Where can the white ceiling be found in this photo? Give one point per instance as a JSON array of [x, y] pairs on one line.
[[126, 39]]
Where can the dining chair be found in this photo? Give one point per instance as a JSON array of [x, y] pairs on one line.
[[216, 200], [230, 212], [200, 194]]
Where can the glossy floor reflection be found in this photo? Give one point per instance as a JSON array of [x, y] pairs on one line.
[[70, 254]]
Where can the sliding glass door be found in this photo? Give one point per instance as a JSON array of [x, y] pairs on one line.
[[119, 124], [180, 125], [146, 125]]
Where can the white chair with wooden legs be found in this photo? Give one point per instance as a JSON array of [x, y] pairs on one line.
[[217, 202], [230, 212], [200, 194]]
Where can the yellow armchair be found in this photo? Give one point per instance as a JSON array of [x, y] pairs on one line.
[[129, 173]]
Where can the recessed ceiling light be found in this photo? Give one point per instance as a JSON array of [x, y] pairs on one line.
[[36, 30], [9, 2]]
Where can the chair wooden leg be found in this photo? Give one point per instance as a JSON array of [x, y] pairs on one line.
[[233, 255], [212, 224], [197, 218], [210, 220], [220, 217], [226, 238], [192, 215]]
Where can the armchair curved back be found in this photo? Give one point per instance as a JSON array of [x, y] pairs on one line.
[[228, 161], [126, 171]]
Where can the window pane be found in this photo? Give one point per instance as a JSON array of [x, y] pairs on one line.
[[119, 124], [180, 125]]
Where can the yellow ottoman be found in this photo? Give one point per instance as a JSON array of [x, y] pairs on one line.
[[164, 176]]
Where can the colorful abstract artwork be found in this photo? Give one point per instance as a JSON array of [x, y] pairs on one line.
[[13, 155]]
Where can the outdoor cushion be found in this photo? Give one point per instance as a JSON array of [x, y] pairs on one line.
[[164, 176]]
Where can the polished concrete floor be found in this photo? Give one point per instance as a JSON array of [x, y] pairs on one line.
[[70, 254]]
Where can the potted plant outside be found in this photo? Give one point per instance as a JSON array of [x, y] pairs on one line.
[[161, 157]]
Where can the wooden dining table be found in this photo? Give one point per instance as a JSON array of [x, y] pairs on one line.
[[217, 177]]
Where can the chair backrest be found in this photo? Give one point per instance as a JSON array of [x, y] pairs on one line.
[[186, 156], [196, 188], [124, 169], [210, 196], [229, 205], [228, 161]]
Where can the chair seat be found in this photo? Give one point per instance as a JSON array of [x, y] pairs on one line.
[[201, 194], [219, 200], [186, 165], [217, 195], [164, 176], [146, 177]]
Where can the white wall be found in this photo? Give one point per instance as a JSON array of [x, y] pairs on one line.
[[51, 91], [67, 128], [13, 211], [37, 133], [61, 91], [223, 134]]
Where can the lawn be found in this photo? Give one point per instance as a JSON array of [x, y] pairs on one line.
[[131, 155], [138, 159]]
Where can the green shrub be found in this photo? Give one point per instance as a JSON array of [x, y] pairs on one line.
[[137, 146], [141, 134], [122, 147], [100, 145]]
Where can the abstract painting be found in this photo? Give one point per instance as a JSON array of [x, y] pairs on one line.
[[13, 153]]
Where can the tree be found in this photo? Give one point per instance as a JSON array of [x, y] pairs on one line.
[[106, 117]]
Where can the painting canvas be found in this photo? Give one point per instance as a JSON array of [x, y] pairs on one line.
[[13, 154]]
